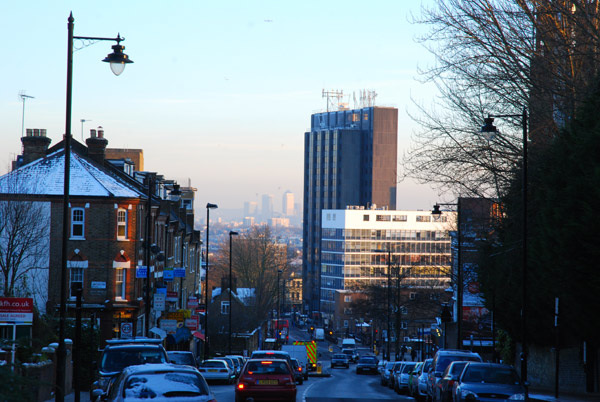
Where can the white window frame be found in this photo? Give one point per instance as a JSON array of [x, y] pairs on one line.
[[413, 296], [120, 285], [75, 273], [225, 307], [403, 325], [122, 223], [348, 299], [78, 222]]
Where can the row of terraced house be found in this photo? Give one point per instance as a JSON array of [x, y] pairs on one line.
[[110, 197]]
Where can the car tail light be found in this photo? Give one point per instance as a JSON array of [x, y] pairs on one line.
[[299, 368], [241, 385], [223, 371], [451, 383]]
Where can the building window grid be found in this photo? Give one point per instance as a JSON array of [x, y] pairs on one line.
[[75, 276], [77, 223], [121, 224], [120, 283]]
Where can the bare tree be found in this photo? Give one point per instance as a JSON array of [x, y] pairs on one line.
[[256, 258], [24, 236], [497, 57]]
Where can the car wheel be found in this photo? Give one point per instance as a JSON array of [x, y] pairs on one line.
[[301, 381]]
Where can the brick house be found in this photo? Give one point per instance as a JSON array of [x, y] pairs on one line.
[[106, 227]]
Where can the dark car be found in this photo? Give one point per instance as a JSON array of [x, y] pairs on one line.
[[489, 382], [298, 374], [441, 360], [270, 379], [367, 364], [340, 359], [121, 353], [446, 384], [186, 358], [352, 354]]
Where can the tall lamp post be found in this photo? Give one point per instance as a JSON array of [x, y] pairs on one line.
[[489, 131], [209, 206], [117, 61], [278, 306], [231, 234], [459, 274]]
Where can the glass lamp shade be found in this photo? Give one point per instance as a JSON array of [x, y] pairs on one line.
[[488, 130], [117, 59]]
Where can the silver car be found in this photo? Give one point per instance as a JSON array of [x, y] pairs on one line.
[[160, 382], [216, 370], [421, 388]]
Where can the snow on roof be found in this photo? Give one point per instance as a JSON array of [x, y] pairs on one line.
[[46, 177], [243, 294]]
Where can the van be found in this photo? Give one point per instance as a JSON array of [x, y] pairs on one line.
[[319, 334], [348, 343]]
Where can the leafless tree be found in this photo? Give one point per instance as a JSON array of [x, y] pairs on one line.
[[256, 258], [497, 57]]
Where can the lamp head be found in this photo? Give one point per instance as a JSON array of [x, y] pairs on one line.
[[211, 206], [117, 58], [232, 233], [488, 130], [436, 210]]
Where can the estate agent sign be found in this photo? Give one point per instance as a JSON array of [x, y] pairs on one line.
[[16, 309]]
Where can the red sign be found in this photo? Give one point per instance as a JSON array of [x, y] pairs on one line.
[[16, 309], [171, 296], [192, 303]]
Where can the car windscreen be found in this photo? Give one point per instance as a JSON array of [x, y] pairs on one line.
[[267, 367], [164, 385], [270, 355], [407, 368], [339, 356], [181, 358], [444, 361], [213, 364], [368, 360], [116, 359]]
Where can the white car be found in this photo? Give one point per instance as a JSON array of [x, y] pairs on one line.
[[216, 370], [158, 382]]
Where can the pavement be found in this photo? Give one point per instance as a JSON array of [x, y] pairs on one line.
[[83, 397], [548, 396]]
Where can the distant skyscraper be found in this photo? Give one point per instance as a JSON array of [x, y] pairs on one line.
[[350, 158], [250, 208], [287, 205], [267, 207]]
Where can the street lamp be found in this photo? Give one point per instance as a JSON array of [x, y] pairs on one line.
[[117, 59], [459, 277], [489, 130], [209, 206], [231, 234]]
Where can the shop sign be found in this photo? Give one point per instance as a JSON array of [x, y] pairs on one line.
[[192, 302], [169, 326], [172, 296], [159, 301], [192, 323]]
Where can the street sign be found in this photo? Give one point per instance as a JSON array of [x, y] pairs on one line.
[[192, 302], [168, 275], [192, 323], [141, 271], [172, 296], [179, 272], [126, 330], [159, 301]]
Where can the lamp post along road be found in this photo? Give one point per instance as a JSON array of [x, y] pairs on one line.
[[489, 130], [117, 60], [231, 234], [459, 274], [278, 306], [209, 206]]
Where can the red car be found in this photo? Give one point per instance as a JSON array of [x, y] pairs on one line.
[[266, 380]]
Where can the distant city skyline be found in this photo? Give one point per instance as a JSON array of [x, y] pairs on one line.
[[219, 94]]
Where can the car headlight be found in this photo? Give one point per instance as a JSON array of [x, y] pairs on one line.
[[517, 397]]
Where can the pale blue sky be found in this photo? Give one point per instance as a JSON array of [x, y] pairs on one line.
[[220, 92]]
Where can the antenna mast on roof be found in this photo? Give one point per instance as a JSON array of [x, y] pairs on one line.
[[23, 97], [331, 96], [367, 98]]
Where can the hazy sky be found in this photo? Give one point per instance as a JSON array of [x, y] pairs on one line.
[[221, 92]]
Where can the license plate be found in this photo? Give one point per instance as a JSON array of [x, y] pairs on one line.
[[212, 370], [267, 382]]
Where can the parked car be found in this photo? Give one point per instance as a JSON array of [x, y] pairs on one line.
[[239, 363], [479, 381], [413, 378], [385, 373], [420, 391], [216, 370], [367, 364], [401, 381], [441, 360], [231, 363], [266, 379], [298, 373], [186, 358], [160, 382], [121, 353], [397, 366], [446, 384], [340, 359]]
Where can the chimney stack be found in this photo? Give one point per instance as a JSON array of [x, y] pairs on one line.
[[97, 145], [35, 144]]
